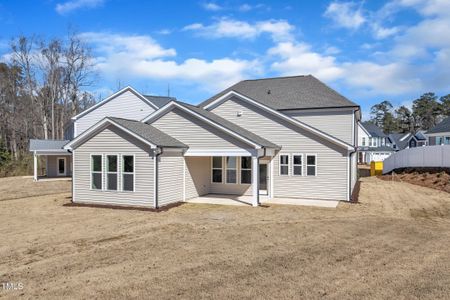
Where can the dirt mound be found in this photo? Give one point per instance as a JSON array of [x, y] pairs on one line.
[[435, 180]]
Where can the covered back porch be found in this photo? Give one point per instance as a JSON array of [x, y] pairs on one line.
[[50, 160]]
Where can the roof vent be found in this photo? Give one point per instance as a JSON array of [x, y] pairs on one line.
[[268, 92]]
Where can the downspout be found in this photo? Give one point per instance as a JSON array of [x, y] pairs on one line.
[[355, 142], [158, 152]]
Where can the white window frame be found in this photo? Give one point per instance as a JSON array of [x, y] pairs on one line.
[[122, 172], [91, 171], [363, 142], [315, 166], [245, 169], [221, 169], [118, 173], [57, 166], [235, 169], [281, 165], [294, 164]]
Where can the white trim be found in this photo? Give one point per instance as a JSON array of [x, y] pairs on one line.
[[348, 178], [245, 169], [404, 137], [212, 169], [271, 190], [127, 173], [255, 180], [219, 152], [91, 188], [73, 176], [155, 180], [364, 129], [57, 166], [118, 93], [235, 169], [108, 172], [306, 164], [283, 116], [301, 165], [184, 179], [35, 167], [173, 104], [280, 165], [100, 124]]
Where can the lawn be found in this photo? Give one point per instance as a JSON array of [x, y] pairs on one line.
[[395, 243]]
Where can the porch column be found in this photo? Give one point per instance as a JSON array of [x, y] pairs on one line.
[[255, 180], [35, 176]]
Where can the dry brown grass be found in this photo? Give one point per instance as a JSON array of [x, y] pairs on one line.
[[394, 244]]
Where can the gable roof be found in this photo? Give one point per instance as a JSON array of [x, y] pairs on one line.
[[159, 101], [106, 100], [284, 93], [142, 131], [443, 126], [420, 135], [47, 145], [214, 120], [401, 140], [373, 129]]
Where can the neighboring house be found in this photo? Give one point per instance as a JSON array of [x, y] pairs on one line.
[[402, 141], [373, 143], [288, 137], [440, 134]]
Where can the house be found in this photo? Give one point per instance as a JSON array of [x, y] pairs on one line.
[[373, 143], [440, 134], [402, 141], [287, 137]]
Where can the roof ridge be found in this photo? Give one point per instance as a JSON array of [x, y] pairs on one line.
[[158, 96], [277, 77]]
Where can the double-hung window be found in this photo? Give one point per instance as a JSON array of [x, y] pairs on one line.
[[363, 141], [284, 164], [297, 164], [311, 165], [216, 169], [231, 169], [111, 172], [128, 173], [96, 172], [246, 170]]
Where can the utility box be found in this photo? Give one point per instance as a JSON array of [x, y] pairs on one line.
[[376, 168]]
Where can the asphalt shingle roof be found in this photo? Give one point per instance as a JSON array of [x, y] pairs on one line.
[[282, 93], [396, 139], [230, 126], [159, 101], [47, 145], [373, 129], [444, 126], [149, 133]]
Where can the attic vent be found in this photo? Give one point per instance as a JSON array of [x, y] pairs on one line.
[[268, 92]]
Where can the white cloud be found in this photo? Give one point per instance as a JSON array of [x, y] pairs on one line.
[[128, 57], [381, 32], [345, 14], [69, 6], [245, 7], [211, 6], [230, 28]]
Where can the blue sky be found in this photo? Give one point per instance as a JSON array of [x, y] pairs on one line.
[[367, 50]]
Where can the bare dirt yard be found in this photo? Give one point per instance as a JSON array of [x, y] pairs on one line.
[[439, 180], [395, 243]]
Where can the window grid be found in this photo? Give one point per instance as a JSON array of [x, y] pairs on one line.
[[246, 167], [284, 165], [311, 168], [297, 164]]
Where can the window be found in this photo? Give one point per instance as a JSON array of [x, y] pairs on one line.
[[96, 172], [217, 169], [231, 169], [363, 141], [297, 162], [284, 164], [111, 172], [128, 173], [370, 142], [311, 165], [439, 140], [447, 140], [246, 170]]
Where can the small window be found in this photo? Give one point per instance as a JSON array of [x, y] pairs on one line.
[[111, 172], [311, 165], [231, 169], [363, 141], [128, 173], [284, 164], [246, 170], [217, 169], [297, 163], [96, 172], [447, 140]]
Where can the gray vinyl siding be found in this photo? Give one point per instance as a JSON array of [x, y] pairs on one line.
[[170, 179], [113, 141], [331, 182], [336, 123], [126, 105], [195, 133], [197, 176], [52, 166]]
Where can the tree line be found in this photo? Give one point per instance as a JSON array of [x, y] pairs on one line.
[[427, 111], [42, 85]]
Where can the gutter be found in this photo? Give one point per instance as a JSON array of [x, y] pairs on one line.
[[155, 170]]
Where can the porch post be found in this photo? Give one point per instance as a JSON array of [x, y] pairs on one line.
[[35, 176], [255, 180]]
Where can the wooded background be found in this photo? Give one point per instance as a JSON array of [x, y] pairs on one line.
[[42, 85]]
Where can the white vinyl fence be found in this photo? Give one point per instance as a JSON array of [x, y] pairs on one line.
[[426, 156]]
